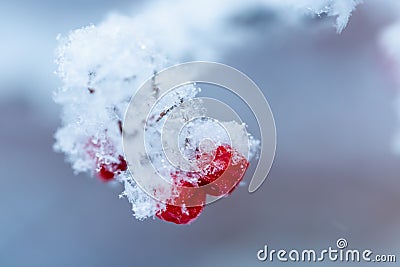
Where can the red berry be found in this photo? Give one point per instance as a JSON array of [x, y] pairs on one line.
[[180, 215], [106, 172], [219, 177], [105, 169], [217, 166], [177, 212], [225, 171]]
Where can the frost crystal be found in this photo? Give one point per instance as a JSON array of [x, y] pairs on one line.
[[341, 9]]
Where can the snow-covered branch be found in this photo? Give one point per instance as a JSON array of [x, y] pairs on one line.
[[101, 67]]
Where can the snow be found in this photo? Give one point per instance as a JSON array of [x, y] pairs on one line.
[[102, 66], [341, 9]]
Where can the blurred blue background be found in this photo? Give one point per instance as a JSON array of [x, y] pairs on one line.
[[335, 174]]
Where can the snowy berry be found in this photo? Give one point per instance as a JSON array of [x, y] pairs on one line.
[[107, 171], [220, 177], [179, 213], [108, 163], [224, 172]]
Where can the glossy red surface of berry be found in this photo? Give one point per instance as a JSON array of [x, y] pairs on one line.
[[224, 172], [180, 214]]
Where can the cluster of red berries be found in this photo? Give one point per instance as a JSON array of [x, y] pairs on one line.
[[219, 177]]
